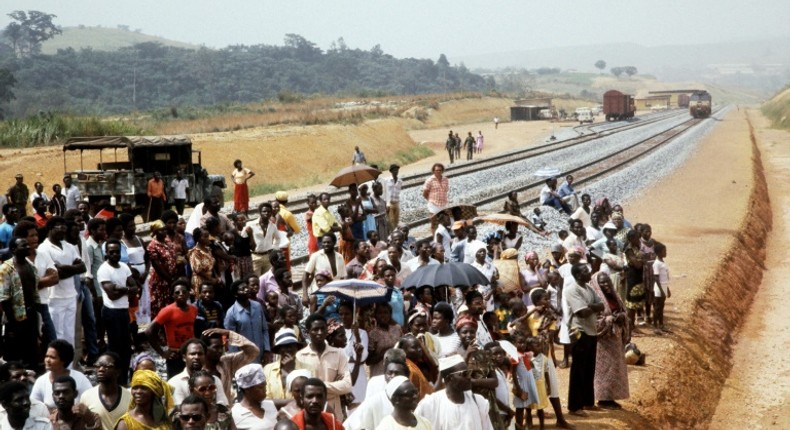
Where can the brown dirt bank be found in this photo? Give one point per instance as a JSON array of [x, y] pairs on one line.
[[693, 367]]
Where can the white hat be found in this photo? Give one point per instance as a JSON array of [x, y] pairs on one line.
[[296, 373], [250, 376], [450, 362], [285, 336], [393, 385], [609, 226]]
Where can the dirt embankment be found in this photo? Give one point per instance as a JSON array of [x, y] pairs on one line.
[[686, 393]]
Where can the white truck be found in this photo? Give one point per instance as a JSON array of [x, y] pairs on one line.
[[584, 115]]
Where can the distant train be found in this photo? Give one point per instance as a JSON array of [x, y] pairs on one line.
[[617, 106], [700, 104]]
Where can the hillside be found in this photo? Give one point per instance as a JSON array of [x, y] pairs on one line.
[[778, 109], [103, 39]]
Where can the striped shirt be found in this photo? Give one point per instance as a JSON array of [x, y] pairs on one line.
[[438, 190]]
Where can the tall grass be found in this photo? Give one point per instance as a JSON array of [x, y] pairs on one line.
[[778, 109], [407, 156], [45, 129]]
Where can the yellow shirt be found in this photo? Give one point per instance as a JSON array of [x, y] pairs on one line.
[[289, 219], [275, 390], [323, 220], [240, 176]]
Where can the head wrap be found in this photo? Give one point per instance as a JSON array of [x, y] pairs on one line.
[[459, 225], [617, 215], [476, 246], [465, 319], [394, 384], [157, 225], [530, 254], [509, 254], [296, 373], [578, 250], [139, 359], [250, 375], [416, 315], [609, 226], [333, 325], [163, 399], [492, 235], [450, 362], [281, 196]]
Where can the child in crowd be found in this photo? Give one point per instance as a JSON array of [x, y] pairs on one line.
[[290, 319], [270, 310], [562, 235], [491, 323], [312, 241], [524, 388], [210, 313], [253, 285], [539, 371], [502, 312], [537, 220], [660, 287], [502, 369]]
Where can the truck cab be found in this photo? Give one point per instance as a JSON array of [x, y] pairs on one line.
[[584, 115]]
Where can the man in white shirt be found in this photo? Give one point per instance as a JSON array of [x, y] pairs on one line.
[[180, 187], [392, 188], [442, 234], [550, 197], [63, 296], [577, 236], [264, 239], [472, 244], [194, 353], [71, 192], [38, 193]]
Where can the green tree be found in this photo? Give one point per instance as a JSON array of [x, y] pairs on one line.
[[29, 30], [7, 82], [617, 71], [442, 61], [600, 65], [630, 70]]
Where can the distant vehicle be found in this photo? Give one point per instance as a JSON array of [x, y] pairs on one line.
[[545, 114], [700, 104], [658, 108], [618, 106], [683, 100], [597, 109], [123, 182], [584, 115]]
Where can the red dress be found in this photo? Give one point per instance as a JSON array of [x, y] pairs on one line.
[[312, 242], [165, 254]]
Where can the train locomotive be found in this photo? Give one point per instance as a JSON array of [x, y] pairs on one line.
[[700, 104]]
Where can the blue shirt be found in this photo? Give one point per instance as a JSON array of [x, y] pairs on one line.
[[565, 190], [6, 231], [250, 323], [396, 302]]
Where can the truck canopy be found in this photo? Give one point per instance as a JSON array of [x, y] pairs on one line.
[[131, 142]]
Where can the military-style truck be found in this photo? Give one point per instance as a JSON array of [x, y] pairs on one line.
[[126, 163]]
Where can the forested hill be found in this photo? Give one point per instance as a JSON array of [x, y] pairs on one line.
[[150, 75]]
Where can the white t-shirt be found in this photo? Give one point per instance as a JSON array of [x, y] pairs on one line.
[[179, 188], [442, 231], [92, 400], [42, 389], [661, 271], [43, 263], [66, 255], [117, 276], [246, 420]]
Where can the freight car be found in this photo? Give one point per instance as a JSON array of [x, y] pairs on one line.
[[700, 104], [683, 101], [617, 106]]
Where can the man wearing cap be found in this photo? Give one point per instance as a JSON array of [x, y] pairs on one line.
[[458, 244], [456, 407], [224, 364], [392, 188], [402, 394], [286, 344], [290, 222], [18, 194], [584, 305]]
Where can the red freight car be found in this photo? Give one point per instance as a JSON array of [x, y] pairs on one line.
[[617, 106], [683, 100]]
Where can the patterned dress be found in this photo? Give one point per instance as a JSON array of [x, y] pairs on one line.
[[380, 341], [611, 373], [201, 260], [165, 254]]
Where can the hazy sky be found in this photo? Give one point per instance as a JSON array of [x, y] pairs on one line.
[[425, 28]]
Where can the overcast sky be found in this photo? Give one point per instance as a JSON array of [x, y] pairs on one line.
[[425, 28]]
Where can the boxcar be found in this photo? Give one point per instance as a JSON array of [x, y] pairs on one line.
[[700, 104], [617, 106], [683, 100]]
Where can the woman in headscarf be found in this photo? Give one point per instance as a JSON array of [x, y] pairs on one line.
[[201, 384], [604, 209], [176, 239], [611, 374], [466, 327], [163, 260], [253, 411], [150, 405], [142, 361], [418, 326]]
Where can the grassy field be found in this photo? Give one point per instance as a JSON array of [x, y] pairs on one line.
[[103, 39], [778, 109]]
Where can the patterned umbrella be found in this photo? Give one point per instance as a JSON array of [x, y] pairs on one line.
[[356, 290]]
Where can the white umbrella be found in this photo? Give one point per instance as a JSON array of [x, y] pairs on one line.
[[548, 172]]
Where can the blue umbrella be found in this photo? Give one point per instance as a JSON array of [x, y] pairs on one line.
[[357, 291]]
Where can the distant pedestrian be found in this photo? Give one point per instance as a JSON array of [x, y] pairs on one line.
[[39, 192], [496, 122], [449, 145], [358, 157], [71, 192], [457, 146], [241, 193], [180, 187], [18, 194], [57, 205], [469, 145], [392, 190], [479, 142], [156, 196]]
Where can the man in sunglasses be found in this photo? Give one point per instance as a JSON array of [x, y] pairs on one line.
[[455, 407], [193, 413]]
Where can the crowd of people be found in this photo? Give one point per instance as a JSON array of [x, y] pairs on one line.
[[229, 342], [471, 144]]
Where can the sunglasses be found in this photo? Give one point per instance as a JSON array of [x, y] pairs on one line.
[[207, 389], [190, 417]]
